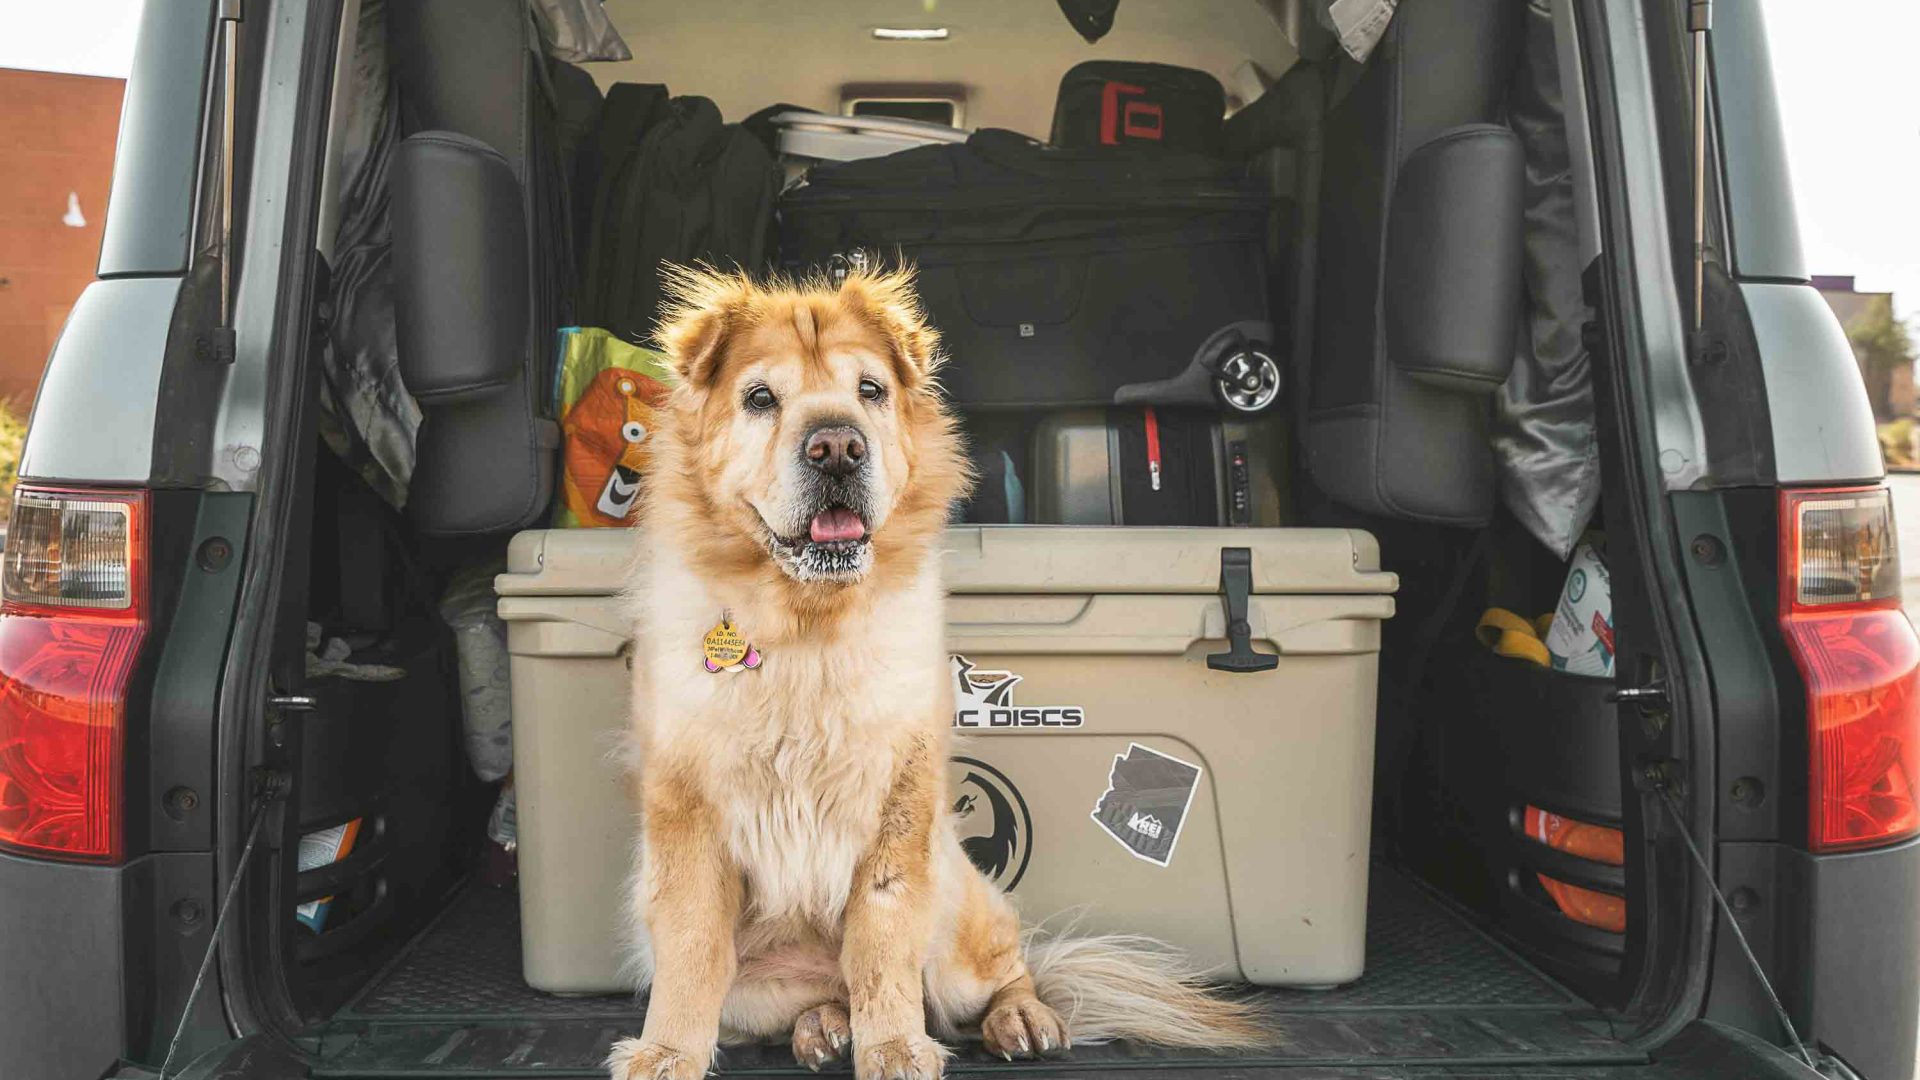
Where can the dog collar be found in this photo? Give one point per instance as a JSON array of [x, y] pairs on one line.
[[726, 649]]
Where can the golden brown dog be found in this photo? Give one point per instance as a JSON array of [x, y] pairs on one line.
[[797, 876]]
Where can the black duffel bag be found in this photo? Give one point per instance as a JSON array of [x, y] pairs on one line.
[[1059, 277]]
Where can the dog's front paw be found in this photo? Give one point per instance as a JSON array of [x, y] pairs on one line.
[[915, 1057], [1024, 1027], [638, 1059], [821, 1035]]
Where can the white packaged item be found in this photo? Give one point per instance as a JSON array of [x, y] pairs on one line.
[[503, 826], [1580, 641], [318, 849]]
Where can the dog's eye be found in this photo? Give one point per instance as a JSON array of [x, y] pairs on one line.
[[872, 390], [760, 399]]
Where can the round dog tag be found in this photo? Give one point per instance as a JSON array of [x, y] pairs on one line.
[[724, 646]]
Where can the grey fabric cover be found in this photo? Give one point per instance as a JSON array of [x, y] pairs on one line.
[[367, 418], [469, 608], [578, 31], [1543, 436], [1378, 439]]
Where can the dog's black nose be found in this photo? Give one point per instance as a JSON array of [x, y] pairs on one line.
[[836, 450]]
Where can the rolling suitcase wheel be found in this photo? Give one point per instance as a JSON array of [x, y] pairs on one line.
[[1248, 382]]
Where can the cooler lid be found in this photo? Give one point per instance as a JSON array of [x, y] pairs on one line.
[[566, 562], [1104, 559], [1022, 559]]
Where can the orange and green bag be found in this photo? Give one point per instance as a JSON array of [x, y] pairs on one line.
[[606, 392]]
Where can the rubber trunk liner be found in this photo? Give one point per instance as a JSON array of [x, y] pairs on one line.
[[1437, 992]]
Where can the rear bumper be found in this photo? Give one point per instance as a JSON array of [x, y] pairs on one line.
[[1839, 935], [1863, 941], [94, 958], [62, 942]]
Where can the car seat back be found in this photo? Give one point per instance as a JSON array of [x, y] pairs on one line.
[[482, 261], [1418, 293]]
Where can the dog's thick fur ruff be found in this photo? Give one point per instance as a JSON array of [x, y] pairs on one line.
[[798, 876]]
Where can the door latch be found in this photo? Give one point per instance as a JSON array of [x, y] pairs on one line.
[[1649, 698], [1236, 585]]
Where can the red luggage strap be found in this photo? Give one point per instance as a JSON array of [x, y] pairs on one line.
[[1153, 448]]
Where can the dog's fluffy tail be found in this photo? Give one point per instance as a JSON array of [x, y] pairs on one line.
[[1124, 986]]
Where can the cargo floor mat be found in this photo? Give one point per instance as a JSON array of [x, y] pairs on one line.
[[1437, 992]]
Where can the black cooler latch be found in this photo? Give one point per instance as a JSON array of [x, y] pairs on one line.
[[1236, 585]]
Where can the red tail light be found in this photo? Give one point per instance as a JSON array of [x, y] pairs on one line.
[[71, 623], [1840, 608]]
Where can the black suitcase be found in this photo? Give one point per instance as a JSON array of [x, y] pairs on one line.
[[1061, 277], [1123, 103], [1111, 466], [1127, 466]]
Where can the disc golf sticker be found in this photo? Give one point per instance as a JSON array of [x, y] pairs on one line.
[[1146, 802], [983, 701]]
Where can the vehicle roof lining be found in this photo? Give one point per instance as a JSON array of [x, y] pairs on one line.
[[1008, 54]]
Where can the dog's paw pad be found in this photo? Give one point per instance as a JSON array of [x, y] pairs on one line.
[[637, 1059], [821, 1035], [916, 1057], [1024, 1028]]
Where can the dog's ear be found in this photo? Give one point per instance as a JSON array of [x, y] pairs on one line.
[[887, 299], [703, 306]]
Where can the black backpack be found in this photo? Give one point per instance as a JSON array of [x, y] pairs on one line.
[[1122, 103], [676, 185]]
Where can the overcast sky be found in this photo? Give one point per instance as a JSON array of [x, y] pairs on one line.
[[86, 37], [1847, 73], [1848, 79]]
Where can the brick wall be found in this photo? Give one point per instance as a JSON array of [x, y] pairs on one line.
[[56, 136]]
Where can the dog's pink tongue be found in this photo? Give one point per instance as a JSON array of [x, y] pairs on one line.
[[836, 524]]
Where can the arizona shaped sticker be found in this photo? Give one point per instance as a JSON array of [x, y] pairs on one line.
[[983, 701], [1146, 802]]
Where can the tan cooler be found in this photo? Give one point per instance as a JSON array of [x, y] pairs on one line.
[[1127, 763]]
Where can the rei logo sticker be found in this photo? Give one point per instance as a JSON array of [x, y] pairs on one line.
[[983, 701], [1147, 799], [996, 830]]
